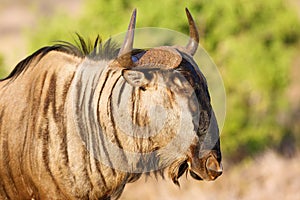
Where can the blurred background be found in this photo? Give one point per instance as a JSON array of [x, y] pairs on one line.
[[256, 46]]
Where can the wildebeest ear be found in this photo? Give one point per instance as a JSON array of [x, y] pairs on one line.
[[136, 78]]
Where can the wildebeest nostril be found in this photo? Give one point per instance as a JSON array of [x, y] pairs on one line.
[[213, 167]]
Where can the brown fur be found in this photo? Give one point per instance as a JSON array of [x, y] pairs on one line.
[[61, 110]]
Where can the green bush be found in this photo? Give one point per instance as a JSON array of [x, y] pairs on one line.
[[252, 43]]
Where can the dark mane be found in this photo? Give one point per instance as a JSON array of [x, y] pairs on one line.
[[83, 48]]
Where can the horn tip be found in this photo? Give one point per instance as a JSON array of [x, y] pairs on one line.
[[133, 18], [194, 35], [134, 11], [188, 14]]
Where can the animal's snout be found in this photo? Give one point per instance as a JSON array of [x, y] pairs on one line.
[[206, 167], [213, 167]]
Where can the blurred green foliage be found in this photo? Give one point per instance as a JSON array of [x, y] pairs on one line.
[[252, 43], [2, 70]]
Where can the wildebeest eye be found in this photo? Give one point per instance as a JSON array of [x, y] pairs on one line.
[[204, 119]]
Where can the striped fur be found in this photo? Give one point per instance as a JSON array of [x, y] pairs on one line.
[[42, 157], [76, 124]]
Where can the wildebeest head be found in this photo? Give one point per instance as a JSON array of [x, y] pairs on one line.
[[174, 104]]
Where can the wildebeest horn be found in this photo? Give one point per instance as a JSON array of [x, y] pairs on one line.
[[192, 46], [125, 51]]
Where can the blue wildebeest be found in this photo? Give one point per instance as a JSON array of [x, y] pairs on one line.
[[80, 122]]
